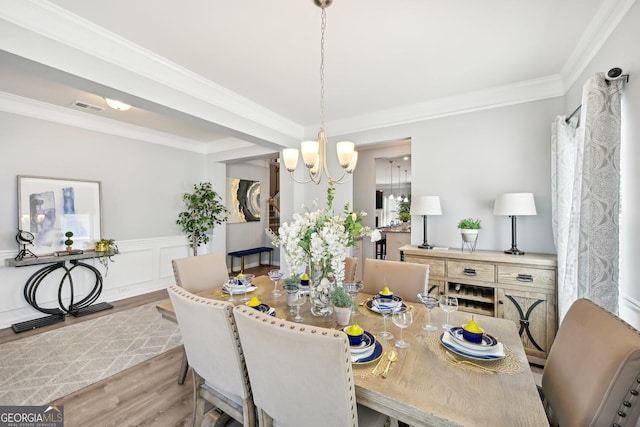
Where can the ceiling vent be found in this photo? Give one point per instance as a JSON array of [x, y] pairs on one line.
[[86, 106]]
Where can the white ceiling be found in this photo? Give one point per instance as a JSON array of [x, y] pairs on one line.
[[386, 62]]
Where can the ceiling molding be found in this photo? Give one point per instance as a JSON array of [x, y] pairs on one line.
[[605, 21], [52, 113]]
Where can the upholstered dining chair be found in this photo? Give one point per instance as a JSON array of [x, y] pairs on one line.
[[300, 375], [405, 279], [211, 341], [350, 268], [592, 373], [196, 274]]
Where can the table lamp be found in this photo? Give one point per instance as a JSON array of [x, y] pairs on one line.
[[514, 204], [425, 205]]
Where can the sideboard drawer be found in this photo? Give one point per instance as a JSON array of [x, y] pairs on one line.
[[514, 275], [472, 270], [436, 266]]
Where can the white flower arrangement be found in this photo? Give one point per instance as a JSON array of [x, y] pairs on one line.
[[322, 238]]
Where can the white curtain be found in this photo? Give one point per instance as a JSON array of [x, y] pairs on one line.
[[585, 197]]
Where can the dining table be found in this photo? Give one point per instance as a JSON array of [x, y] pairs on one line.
[[427, 385]]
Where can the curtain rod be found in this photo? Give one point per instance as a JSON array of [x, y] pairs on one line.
[[613, 74]]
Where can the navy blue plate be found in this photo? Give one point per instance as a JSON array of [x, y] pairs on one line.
[[377, 352]]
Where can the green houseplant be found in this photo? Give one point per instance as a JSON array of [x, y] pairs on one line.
[[106, 249], [404, 211], [68, 240], [469, 231], [204, 211], [341, 301]]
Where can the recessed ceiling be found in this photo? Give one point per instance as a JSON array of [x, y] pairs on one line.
[[386, 62]]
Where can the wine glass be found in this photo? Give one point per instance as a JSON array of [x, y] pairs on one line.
[[402, 319], [385, 310], [275, 275], [291, 290], [246, 279], [448, 305], [297, 300], [353, 289], [231, 284], [430, 302]]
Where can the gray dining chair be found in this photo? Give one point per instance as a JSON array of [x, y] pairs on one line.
[[404, 279], [300, 375], [592, 373], [196, 274], [212, 345]]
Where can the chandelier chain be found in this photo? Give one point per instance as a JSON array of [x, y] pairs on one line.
[[322, 29]]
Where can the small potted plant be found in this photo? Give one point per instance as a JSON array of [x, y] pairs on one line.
[[341, 301], [68, 240], [469, 229], [106, 249]]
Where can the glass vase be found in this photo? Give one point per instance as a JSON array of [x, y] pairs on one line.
[[321, 286]]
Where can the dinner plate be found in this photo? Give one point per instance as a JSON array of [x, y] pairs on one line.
[[488, 342], [448, 343], [396, 299], [372, 307], [377, 352], [264, 308], [238, 290], [367, 341]]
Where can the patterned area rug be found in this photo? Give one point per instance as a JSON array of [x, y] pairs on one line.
[[44, 367]]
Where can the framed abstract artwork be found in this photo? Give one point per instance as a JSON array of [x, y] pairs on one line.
[[243, 200], [51, 207]]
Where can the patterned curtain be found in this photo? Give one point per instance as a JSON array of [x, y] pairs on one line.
[[585, 197]]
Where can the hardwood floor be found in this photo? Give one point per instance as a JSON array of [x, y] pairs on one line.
[[147, 394]]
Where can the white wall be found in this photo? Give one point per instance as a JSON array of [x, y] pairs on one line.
[[142, 187]]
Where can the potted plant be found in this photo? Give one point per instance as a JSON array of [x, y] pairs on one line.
[[341, 301], [204, 211], [404, 211], [68, 240], [106, 249], [469, 230]]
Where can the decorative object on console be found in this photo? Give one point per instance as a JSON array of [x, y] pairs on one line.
[[469, 232], [106, 249], [204, 210], [68, 242], [514, 204], [425, 206], [24, 238], [243, 200], [314, 153]]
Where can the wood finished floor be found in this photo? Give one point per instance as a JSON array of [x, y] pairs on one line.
[[147, 394]]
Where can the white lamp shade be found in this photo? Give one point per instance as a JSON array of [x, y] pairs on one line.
[[426, 205], [290, 157], [345, 152], [353, 162], [515, 204], [310, 151]]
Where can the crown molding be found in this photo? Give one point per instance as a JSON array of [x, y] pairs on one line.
[[26, 107]]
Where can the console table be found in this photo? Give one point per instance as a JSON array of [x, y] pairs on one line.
[[521, 288], [67, 263]]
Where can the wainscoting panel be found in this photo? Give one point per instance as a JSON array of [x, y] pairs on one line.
[[141, 266]]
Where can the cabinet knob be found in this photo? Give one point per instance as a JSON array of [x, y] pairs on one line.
[[500, 301]]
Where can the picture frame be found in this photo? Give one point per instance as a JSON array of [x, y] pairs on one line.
[[50, 207], [243, 200]]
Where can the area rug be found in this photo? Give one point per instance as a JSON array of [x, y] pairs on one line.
[[44, 367]]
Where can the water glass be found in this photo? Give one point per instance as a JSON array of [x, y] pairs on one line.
[[297, 300], [430, 302], [402, 319], [231, 284], [246, 279], [385, 310], [448, 304], [291, 290], [275, 275], [353, 289]]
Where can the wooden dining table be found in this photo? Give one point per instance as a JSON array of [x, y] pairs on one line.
[[426, 386]]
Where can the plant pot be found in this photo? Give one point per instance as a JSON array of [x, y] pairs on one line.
[[469, 235], [343, 315]]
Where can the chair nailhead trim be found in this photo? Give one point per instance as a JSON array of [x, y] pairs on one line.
[[627, 404], [615, 425], [622, 414], [634, 392]]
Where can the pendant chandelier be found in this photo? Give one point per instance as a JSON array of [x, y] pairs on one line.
[[391, 196], [406, 183], [314, 153]]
